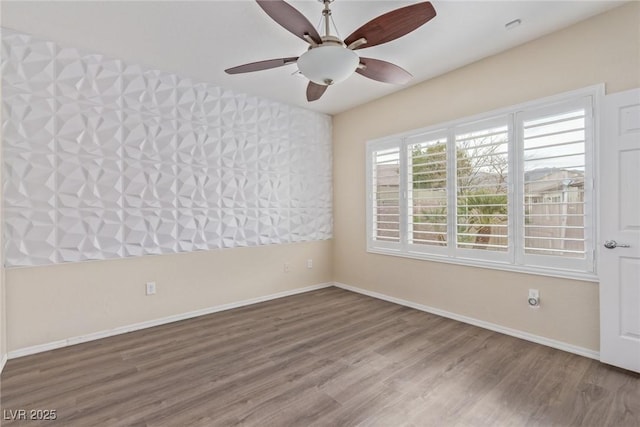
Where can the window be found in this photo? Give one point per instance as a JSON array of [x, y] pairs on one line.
[[508, 190]]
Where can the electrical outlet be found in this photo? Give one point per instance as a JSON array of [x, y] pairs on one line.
[[534, 298], [309, 263], [287, 267], [151, 288]]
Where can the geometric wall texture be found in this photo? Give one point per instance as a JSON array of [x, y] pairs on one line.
[[104, 159]]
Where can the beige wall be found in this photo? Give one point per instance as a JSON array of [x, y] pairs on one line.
[[57, 302], [606, 49], [3, 310]]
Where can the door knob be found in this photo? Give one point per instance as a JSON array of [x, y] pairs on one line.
[[612, 244]]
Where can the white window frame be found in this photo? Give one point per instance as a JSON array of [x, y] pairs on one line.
[[514, 259]]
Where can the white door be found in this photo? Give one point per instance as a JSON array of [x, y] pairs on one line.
[[619, 250]]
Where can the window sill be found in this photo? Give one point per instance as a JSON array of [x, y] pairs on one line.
[[536, 270]]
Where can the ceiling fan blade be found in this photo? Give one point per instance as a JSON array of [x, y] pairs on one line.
[[383, 71], [290, 18], [315, 91], [392, 25], [261, 65]]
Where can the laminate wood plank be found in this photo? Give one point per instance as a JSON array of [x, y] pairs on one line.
[[427, 363], [519, 392], [491, 388], [465, 381], [367, 403], [325, 358], [605, 396], [290, 395]]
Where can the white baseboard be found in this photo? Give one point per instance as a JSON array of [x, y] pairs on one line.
[[3, 362], [151, 323], [156, 322], [581, 351]]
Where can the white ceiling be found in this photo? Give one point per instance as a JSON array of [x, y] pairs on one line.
[[201, 39]]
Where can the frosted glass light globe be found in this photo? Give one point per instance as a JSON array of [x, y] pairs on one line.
[[329, 64]]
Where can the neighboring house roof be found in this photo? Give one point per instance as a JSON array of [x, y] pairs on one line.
[[552, 179], [536, 181]]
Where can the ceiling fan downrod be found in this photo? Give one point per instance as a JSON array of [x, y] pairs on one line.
[[326, 13]]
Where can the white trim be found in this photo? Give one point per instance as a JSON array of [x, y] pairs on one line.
[[157, 322], [581, 351], [3, 362]]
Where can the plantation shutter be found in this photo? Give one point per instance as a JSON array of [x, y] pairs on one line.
[[427, 190], [386, 195], [482, 171], [554, 163]]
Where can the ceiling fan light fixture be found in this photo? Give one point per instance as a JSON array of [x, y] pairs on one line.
[[328, 64]]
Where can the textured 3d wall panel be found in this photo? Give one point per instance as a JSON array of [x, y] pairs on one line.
[[104, 159]]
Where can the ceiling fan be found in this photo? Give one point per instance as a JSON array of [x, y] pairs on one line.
[[330, 60]]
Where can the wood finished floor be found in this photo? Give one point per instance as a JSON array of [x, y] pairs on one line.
[[325, 358]]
